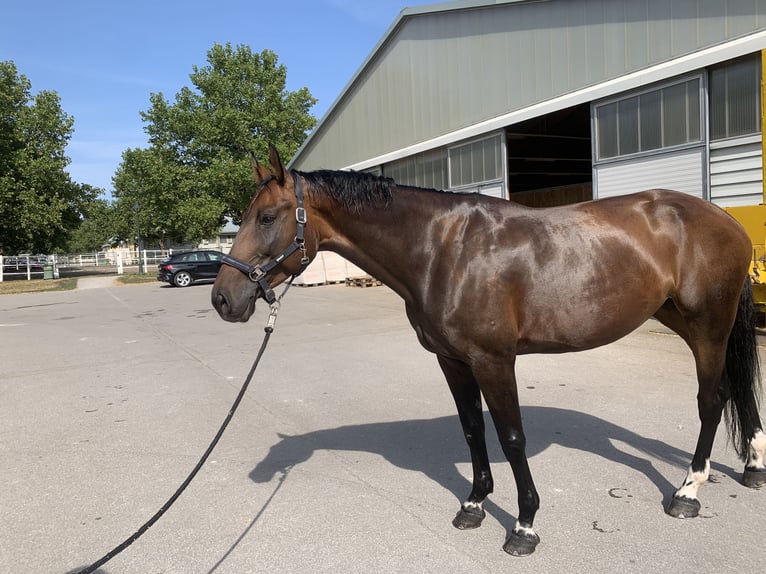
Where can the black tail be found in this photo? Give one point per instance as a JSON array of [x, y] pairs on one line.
[[744, 374]]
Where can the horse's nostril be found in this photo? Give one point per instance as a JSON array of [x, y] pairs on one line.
[[219, 301]]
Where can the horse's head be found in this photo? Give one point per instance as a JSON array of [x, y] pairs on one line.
[[273, 243]]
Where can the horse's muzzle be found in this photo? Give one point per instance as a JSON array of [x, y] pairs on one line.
[[230, 308]]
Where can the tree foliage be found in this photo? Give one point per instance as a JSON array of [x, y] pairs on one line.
[[39, 204], [196, 170], [100, 227]]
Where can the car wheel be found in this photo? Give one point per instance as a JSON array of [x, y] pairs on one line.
[[182, 279]]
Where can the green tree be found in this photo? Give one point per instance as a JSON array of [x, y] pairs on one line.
[[197, 168], [39, 204], [103, 224]]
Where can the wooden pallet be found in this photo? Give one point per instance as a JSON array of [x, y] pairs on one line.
[[365, 281], [318, 283]]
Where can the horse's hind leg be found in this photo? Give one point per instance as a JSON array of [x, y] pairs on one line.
[[709, 352], [468, 401], [755, 465]]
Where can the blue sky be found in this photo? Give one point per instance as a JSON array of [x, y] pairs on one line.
[[105, 58]]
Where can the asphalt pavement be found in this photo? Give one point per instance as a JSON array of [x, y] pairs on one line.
[[345, 456]]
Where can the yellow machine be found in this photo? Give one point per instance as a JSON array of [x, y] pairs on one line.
[[753, 219]]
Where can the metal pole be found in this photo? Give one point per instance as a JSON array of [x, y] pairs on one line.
[[138, 238]]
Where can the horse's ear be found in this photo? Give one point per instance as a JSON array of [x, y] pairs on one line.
[[276, 165], [259, 172]]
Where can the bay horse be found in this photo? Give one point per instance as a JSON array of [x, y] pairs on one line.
[[485, 280]]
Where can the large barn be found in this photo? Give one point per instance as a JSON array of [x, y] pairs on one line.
[[547, 102]]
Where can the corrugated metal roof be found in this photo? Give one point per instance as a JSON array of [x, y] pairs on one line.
[[442, 70], [406, 13]]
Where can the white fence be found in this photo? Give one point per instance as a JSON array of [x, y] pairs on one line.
[[28, 266]]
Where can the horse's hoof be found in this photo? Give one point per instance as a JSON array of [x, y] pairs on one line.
[[468, 518], [754, 477], [683, 507], [521, 542]]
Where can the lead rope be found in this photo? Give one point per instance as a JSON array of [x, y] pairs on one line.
[[269, 329]]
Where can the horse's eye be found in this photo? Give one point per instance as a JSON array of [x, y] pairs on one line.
[[267, 219]]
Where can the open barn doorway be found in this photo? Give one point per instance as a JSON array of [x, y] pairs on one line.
[[549, 158]]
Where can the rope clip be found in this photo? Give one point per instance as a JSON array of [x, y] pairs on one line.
[[272, 316]]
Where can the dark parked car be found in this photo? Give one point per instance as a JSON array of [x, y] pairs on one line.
[[183, 269]]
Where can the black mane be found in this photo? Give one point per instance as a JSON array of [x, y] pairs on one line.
[[353, 190]]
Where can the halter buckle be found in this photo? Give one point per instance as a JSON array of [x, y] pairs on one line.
[[255, 274]]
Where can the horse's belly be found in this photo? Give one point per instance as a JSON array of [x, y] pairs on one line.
[[566, 328]]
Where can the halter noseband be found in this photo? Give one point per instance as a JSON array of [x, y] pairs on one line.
[[257, 273]]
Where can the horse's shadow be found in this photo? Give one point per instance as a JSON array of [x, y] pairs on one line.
[[435, 446]]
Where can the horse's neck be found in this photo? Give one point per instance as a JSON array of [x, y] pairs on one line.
[[389, 243]]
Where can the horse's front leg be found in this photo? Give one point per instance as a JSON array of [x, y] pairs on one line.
[[467, 397], [497, 381]]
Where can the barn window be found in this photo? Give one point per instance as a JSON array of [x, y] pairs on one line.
[[663, 117], [476, 162], [428, 169], [735, 98]]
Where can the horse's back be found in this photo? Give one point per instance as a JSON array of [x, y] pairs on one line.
[[659, 218], [610, 264]]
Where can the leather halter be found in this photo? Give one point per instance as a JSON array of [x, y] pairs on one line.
[[257, 273]]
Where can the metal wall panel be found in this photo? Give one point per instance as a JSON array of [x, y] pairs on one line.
[[736, 175], [440, 70], [682, 171]]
